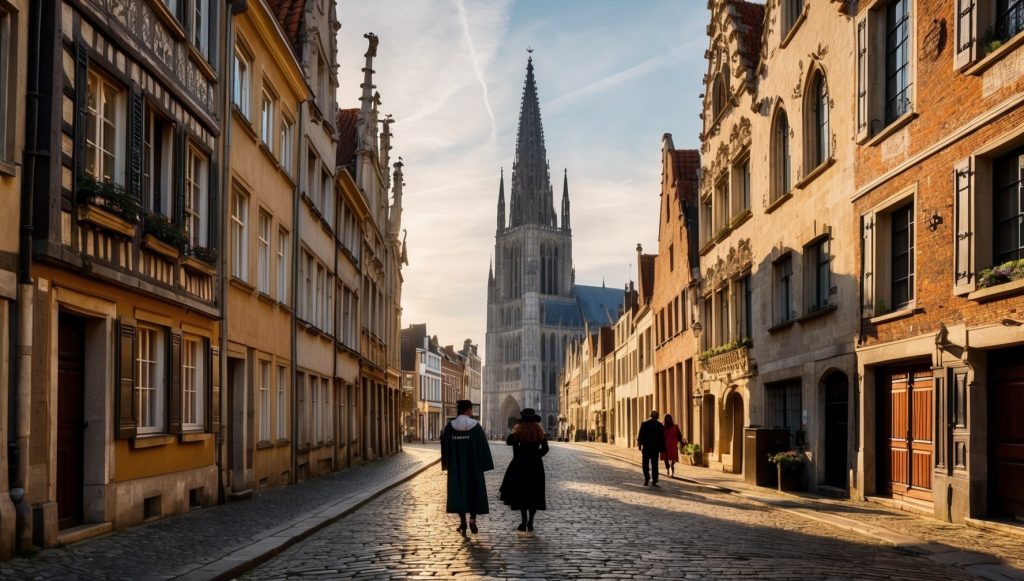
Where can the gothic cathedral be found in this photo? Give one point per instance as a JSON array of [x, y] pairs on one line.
[[534, 307]]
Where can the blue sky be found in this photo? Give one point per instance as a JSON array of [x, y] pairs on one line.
[[612, 76]]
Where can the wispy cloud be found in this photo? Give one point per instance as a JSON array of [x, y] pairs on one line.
[[476, 64]]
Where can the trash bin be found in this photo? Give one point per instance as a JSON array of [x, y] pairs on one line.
[[758, 444]]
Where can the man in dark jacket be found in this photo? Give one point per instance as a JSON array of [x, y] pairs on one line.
[[466, 455], [651, 441]]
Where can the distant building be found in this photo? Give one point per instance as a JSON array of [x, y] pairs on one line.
[[421, 358], [473, 381], [534, 307]]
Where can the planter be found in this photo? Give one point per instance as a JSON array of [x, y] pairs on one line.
[[161, 247], [105, 219], [691, 459], [790, 477], [196, 265]]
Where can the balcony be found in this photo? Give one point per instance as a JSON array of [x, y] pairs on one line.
[[732, 364]]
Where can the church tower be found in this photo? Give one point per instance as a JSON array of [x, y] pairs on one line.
[[531, 309]]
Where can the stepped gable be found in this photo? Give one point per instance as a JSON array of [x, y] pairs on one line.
[[751, 15]]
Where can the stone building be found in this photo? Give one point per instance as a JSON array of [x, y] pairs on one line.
[[123, 392], [779, 299], [534, 306], [453, 371], [14, 109], [422, 360], [940, 149], [473, 379], [676, 286], [634, 355], [267, 89]]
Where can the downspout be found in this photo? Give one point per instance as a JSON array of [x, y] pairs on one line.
[[334, 325], [23, 362], [293, 478]]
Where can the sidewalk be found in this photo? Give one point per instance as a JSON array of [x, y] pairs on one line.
[[223, 541], [986, 553]]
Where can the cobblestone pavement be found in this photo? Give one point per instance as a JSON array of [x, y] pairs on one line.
[[601, 522], [170, 547]]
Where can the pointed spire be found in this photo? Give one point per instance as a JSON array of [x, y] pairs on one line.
[[501, 201], [396, 205], [531, 183], [565, 200], [385, 148]]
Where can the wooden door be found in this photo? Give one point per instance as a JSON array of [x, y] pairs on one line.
[[836, 429], [70, 419], [1006, 433], [905, 453]]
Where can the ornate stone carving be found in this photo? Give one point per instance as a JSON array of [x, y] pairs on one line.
[[740, 133], [739, 258]]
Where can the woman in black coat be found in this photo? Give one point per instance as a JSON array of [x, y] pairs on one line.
[[522, 488]]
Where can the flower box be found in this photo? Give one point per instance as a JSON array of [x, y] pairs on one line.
[[194, 264], [152, 243], [692, 459], [104, 219], [791, 476]]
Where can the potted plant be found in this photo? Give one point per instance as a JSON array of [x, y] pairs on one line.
[[163, 229], [691, 455], [207, 254], [1001, 274], [790, 468]]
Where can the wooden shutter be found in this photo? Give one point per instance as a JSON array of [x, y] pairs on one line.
[[867, 248], [965, 34], [213, 373], [124, 400], [136, 124], [963, 263], [174, 384], [863, 82], [81, 93], [180, 143]]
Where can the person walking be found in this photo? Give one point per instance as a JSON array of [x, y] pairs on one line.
[[522, 488], [651, 441], [673, 439], [466, 455]]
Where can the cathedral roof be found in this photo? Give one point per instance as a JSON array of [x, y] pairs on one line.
[[562, 314], [599, 305]]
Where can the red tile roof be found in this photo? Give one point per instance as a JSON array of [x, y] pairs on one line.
[[348, 141], [289, 14], [686, 171], [752, 17]]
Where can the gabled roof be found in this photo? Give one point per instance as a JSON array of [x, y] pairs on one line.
[[647, 276], [751, 15], [289, 14], [599, 305], [348, 139], [686, 171], [607, 340]]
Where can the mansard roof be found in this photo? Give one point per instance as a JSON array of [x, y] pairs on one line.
[[289, 14], [348, 138]]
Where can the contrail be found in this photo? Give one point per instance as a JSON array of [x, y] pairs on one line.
[[461, 6]]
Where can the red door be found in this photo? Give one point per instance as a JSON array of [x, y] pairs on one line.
[[70, 419], [906, 428], [1006, 432]]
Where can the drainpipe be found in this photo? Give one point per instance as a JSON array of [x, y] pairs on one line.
[[23, 362], [303, 151]]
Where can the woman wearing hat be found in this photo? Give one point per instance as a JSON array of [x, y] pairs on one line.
[[522, 488]]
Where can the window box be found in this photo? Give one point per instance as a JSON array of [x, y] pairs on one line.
[[105, 219], [156, 245], [205, 254], [111, 197], [191, 263], [997, 292], [161, 229], [263, 445]]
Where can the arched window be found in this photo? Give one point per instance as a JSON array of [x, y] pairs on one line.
[[781, 160], [717, 97], [818, 129]]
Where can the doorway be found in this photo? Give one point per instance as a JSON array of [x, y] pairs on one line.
[[735, 427], [1006, 432], [70, 420], [905, 432], [837, 391]]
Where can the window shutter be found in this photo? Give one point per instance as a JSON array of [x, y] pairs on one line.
[[965, 36], [137, 115], [867, 280], [213, 373], [863, 122], [963, 179], [174, 389], [179, 176], [125, 413], [81, 93]]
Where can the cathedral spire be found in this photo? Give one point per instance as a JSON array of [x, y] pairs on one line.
[[531, 184], [565, 200], [501, 201], [396, 205]]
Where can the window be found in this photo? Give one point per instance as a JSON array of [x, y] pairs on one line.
[[264, 405], [314, 389], [349, 309], [720, 91], [267, 119], [979, 29], [902, 256], [158, 163], [263, 253], [784, 408], [312, 177], [193, 383], [8, 65], [104, 141], [785, 305], [791, 11], [200, 26], [671, 257], [746, 295], [897, 60], [723, 327], [239, 236], [306, 279], [283, 273], [704, 230], [818, 272], [150, 380], [287, 143], [741, 186], [887, 268], [884, 66], [327, 196], [196, 179], [282, 405], [781, 161], [818, 132], [318, 308], [721, 205], [328, 416], [241, 82], [1008, 208]]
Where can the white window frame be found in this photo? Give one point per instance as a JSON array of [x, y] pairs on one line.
[[287, 145], [240, 235], [283, 258], [263, 239], [193, 384], [268, 112], [264, 400], [199, 26], [282, 402], [242, 81], [151, 379], [876, 259], [197, 176], [100, 88]]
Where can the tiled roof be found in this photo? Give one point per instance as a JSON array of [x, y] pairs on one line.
[[686, 170], [560, 314], [647, 275], [348, 141], [599, 305], [607, 340], [752, 16], [289, 14]]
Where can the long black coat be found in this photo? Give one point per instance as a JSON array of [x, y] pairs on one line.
[[651, 437], [523, 485], [466, 455]]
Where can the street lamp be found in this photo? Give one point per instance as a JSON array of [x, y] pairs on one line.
[[698, 390]]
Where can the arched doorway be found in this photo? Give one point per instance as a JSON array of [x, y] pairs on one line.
[[837, 427], [509, 414], [707, 422], [734, 404]]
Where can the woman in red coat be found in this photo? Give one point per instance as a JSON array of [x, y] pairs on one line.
[[673, 437]]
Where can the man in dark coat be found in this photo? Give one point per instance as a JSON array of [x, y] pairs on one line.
[[651, 441], [466, 455]]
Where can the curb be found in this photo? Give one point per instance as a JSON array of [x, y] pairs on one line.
[[276, 541]]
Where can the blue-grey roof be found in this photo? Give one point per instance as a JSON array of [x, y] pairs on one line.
[[599, 305], [559, 313]]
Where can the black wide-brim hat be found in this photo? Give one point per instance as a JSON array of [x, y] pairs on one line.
[[528, 415]]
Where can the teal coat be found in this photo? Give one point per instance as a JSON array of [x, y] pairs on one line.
[[466, 455]]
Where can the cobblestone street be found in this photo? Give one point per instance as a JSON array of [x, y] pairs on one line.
[[601, 522]]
